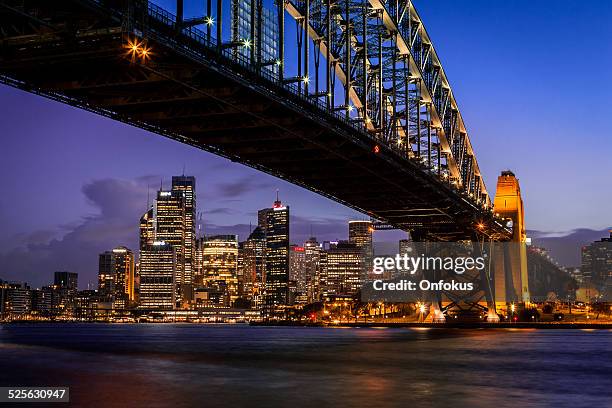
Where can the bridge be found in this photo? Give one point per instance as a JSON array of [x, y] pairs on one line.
[[373, 124], [346, 98]]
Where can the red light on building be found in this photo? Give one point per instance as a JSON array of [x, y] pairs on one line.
[[376, 149], [298, 248]]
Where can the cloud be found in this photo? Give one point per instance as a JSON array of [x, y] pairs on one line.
[[241, 186], [119, 205]]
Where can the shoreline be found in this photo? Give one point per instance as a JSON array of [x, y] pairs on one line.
[[356, 325]]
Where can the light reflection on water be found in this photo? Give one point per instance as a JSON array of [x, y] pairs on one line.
[[187, 365]]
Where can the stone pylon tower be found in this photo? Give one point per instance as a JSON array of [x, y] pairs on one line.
[[511, 280]]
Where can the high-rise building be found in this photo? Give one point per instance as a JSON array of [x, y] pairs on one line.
[[275, 223], [360, 234], [116, 276], [65, 279], [147, 228], [186, 185], [312, 260], [220, 262], [15, 298], [157, 276], [341, 269], [253, 267], [247, 30], [297, 272], [597, 261]]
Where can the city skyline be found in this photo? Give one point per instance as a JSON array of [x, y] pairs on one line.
[[73, 212]]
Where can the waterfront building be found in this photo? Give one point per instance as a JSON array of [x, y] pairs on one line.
[[297, 272], [341, 269], [116, 276], [15, 299], [157, 265], [220, 262], [275, 224]]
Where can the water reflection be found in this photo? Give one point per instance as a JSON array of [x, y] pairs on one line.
[[191, 365]]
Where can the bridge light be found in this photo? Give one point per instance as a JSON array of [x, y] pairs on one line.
[[305, 79], [368, 120], [480, 226], [278, 62], [209, 21], [246, 43], [349, 108]]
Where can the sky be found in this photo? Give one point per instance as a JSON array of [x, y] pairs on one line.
[[532, 80]]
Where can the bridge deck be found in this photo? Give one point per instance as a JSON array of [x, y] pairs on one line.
[[74, 52]]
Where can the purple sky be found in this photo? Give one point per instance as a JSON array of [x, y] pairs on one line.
[[532, 81]]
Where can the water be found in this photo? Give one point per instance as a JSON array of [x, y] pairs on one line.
[[185, 365]]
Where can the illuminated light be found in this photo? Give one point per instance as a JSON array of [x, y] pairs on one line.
[[480, 226], [305, 79], [158, 243], [165, 193], [209, 21], [246, 43], [350, 108], [368, 120], [376, 149], [278, 62], [422, 308]]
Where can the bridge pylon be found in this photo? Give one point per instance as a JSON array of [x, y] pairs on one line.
[[511, 282]]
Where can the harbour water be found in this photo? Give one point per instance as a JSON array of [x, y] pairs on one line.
[[189, 365]]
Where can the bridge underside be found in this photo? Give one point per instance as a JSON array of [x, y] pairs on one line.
[[77, 55]]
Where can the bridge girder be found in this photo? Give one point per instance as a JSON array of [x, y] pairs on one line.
[[403, 143]]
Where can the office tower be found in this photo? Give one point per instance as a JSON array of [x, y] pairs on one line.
[[198, 276], [275, 223], [597, 261], [186, 185], [147, 228], [68, 280], [360, 234], [253, 268], [157, 276], [116, 276], [312, 259], [247, 31], [220, 262], [341, 269], [297, 269]]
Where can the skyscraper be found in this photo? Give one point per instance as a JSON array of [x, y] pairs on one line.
[[297, 272], [157, 276], [220, 262], [275, 223], [254, 266], [186, 185], [360, 234], [312, 259], [116, 275], [246, 30], [147, 228]]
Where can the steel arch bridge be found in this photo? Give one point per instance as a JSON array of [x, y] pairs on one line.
[[352, 102]]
